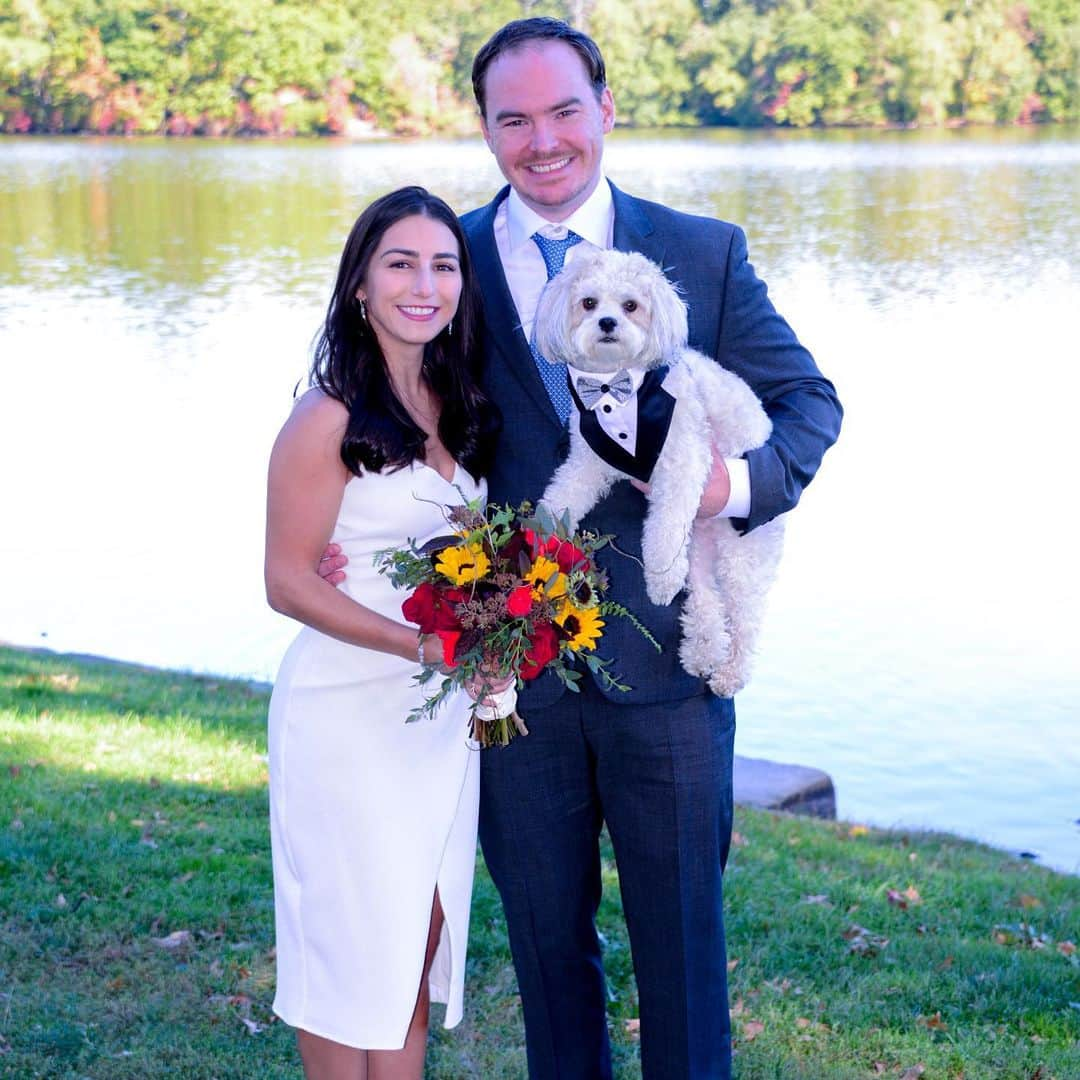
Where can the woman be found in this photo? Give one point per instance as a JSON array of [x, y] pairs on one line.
[[373, 821]]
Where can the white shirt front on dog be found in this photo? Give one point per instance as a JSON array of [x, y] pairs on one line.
[[617, 418]]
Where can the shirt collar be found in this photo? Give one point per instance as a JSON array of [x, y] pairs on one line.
[[592, 221]]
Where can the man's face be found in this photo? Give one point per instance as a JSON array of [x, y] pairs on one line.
[[545, 126]]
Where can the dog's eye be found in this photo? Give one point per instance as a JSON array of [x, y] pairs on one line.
[[588, 303], [629, 305]]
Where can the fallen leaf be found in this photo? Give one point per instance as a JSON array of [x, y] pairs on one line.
[[934, 1023], [751, 1029], [879, 1067], [252, 1027], [60, 901], [113, 985], [802, 1022], [858, 830], [737, 1007], [897, 899], [176, 940], [913, 1072], [815, 898], [632, 1027], [738, 840], [912, 895], [1026, 900], [1066, 948], [14, 770], [183, 879], [864, 942], [945, 964], [732, 964]]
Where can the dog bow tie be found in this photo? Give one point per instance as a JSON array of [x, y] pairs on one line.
[[621, 388]]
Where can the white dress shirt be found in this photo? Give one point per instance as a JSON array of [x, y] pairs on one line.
[[526, 275]]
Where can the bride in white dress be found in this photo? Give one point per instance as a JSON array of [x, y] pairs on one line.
[[373, 820]]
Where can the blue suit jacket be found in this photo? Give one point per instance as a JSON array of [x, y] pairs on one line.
[[732, 319]]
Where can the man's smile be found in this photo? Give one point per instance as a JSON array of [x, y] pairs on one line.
[[542, 167]]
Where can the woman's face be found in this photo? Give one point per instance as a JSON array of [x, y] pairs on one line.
[[412, 285]]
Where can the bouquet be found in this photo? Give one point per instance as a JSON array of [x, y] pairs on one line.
[[510, 593]]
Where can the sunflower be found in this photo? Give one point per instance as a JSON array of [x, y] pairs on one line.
[[546, 580], [584, 626], [463, 563]]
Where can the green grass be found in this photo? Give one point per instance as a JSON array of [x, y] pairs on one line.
[[136, 928]]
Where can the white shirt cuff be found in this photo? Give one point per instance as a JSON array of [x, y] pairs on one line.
[[738, 504]]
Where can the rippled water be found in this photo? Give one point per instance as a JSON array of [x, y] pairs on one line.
[[156, 304]]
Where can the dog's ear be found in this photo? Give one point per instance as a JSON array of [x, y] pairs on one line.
[[552, 326], [669, 326]]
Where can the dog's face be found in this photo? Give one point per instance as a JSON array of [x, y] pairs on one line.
[[609, 310]]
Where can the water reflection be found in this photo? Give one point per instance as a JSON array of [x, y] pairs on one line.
[[157, 300]]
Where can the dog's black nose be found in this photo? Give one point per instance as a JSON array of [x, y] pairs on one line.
[[607, 324]]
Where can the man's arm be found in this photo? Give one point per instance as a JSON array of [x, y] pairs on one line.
[[757, 344]]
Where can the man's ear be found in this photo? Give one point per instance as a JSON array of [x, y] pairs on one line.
[[607, 109], [487, 134]]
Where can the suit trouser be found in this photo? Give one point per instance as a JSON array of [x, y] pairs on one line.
[[660, 776]]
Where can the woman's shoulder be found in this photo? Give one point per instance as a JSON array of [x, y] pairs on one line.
[[316, 408], [315, 426]]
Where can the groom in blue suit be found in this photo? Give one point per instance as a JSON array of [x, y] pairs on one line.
[[654, 763]]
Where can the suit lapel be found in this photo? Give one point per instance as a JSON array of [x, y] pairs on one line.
[[500, 313], [633, 229]]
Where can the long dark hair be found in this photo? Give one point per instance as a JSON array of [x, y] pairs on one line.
[[349, 364]]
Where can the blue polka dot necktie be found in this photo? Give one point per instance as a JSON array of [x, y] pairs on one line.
[[554, 375]]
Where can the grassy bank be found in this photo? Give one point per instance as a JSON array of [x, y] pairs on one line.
[[136, 916]]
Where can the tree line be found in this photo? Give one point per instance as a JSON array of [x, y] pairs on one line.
[[282, 67]]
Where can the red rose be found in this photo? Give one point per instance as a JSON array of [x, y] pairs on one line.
[[419, 608], [543, 648], [540, 547], [432, 609], [520, 602], [449, 639], [568, 557], [562, 551]]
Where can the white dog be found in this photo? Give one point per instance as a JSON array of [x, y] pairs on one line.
[[617, 322]]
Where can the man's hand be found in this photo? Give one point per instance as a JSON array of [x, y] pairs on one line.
[[717, 488], [332, 564]]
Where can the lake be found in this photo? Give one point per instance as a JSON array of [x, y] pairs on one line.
[[158, 299]]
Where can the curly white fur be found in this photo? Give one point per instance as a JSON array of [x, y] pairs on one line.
[[726, 576]]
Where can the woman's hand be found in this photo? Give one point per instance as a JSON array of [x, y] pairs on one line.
[[484, 686], [430, 652]]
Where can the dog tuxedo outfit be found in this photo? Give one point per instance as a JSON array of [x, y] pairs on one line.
[[624, 415]]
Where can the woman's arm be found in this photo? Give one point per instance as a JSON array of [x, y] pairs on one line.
[[306, 481]]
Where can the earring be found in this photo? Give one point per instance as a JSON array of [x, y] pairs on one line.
[[363, 309], [450, 328]]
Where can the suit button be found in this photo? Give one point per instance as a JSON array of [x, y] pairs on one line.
[[622, 434], [604, 388], [607, 408]]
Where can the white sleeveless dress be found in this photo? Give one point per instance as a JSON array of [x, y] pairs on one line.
[[368, 814]]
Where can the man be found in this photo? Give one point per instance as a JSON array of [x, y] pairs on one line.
[[654, 763]]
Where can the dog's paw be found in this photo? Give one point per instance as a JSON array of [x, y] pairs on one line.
[[662, 588], [726, 681]]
